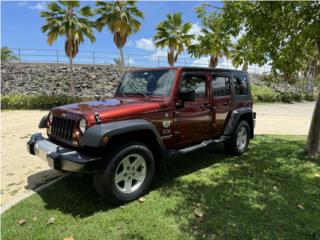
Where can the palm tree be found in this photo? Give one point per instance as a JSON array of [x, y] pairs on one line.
[[64, 18], [239, 54], [172, 33], [121, 18], [7, 55], [213, 41]]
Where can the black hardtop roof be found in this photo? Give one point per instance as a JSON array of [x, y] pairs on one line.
[[191, 68], [212, 69]]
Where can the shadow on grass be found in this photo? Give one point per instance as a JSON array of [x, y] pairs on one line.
[[269, 192]]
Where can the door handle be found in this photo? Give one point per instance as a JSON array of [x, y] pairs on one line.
[[205, 106], [226, 103]]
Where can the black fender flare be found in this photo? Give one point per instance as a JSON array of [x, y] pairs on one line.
[[93, 137], [234, 118], [43, 122]]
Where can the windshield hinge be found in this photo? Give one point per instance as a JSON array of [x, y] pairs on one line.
[[97, 117]]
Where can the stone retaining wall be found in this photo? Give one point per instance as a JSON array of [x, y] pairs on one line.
[[91, 81], [53, 79]]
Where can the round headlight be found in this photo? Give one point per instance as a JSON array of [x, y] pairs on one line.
[[50, 117], [83, 125]]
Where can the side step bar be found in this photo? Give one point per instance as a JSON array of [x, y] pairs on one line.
[[203, 144]]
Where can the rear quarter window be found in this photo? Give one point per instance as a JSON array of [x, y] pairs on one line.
[[240, 83]]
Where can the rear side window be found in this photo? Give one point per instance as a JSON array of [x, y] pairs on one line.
[[240, 85], [221, 86]]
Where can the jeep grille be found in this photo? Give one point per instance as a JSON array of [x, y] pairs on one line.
[[62, 128]]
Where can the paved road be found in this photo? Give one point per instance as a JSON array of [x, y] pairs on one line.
[[20, 171], [291, 119]]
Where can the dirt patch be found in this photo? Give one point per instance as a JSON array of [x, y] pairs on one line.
[[20, 171]]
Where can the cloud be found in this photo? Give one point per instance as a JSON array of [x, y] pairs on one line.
[[39, 6], [145, 44], [201, 62], [160, 53], [195, 29]]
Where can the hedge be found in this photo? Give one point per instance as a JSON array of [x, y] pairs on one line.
[[266, 94], [21, 101]]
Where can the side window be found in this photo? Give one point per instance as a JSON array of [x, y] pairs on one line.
[[194, 82], [220, 86], [240, 85]]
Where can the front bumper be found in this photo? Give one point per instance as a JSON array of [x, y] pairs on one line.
[[61, 158]]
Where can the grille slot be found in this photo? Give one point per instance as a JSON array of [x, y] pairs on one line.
[[62, 128]]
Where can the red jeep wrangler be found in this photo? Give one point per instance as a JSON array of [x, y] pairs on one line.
[[155, 113]]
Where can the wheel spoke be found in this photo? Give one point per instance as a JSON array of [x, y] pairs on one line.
[[120, 176], [127, 185], [138, 162], [126, 163], [138, 175]]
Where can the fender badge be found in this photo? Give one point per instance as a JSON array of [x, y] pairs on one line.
[[166, 124]]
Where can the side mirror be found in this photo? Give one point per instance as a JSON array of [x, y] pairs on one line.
[[187, 95]]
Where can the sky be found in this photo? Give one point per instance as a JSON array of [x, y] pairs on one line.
[[21, 24]]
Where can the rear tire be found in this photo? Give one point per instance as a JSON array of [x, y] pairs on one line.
[[239, 141], [127, 175]]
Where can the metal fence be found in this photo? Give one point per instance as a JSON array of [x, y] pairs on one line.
[[131, 60]]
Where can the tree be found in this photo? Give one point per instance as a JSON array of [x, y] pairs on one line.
[[240, 54], [122, 18], [64, 18], [7, 55], [172, 33], [283, 33], [213, 41]]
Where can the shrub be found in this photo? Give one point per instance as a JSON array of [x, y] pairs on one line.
[[266, 94], [21, 101], [270, 79]]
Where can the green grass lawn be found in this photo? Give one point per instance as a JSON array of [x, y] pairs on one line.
[[271, 192]]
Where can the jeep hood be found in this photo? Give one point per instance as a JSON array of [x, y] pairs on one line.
[[112, 108]]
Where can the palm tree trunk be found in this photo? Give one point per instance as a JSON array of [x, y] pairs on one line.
[[73, 92], [170, 56], [313, 140], [213, 62], [245, 67], [121, 57]]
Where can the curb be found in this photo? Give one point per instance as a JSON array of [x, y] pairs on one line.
[[28, 193]]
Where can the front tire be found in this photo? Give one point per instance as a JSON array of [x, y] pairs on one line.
[[239, 141], [127, 175]]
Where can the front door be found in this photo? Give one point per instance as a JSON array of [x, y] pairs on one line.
[[222, 99], [192, 120]]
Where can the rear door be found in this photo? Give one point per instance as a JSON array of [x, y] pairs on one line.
[[222, 99]]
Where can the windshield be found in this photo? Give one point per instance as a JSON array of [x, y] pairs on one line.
[[147, 83]]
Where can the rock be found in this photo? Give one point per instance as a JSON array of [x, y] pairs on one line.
[[54, 79]]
